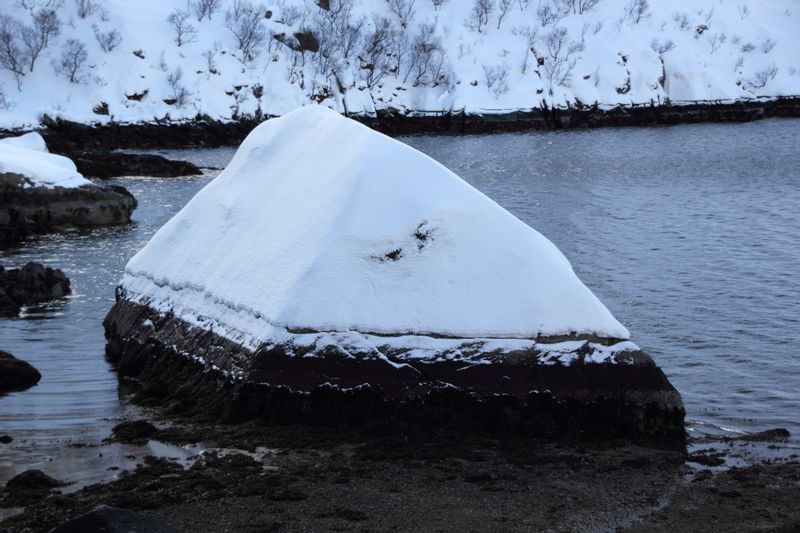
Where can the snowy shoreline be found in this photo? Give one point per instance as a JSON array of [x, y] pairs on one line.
[[67, 137]]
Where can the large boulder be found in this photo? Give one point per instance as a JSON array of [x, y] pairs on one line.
[[31, 284], [106, 165], [332, 275], [16, 375], [42, 192]]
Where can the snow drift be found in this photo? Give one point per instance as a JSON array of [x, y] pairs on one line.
[[319, 223]]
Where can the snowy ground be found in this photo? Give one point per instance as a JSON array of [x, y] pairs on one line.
[[369, 57]]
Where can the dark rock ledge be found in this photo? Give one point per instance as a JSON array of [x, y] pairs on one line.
[[187, 371], [71, 138], [26, 209]]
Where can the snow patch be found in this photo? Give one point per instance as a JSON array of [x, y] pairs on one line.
[[27, 155]]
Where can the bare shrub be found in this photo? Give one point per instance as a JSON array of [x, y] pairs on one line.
[[561, 60], [548, 13], [636, 10], [479, 16], [108, 40], [437, 4], [681, 20], [748, 47], [36, 38], [744, 11], [762, 77], [185, 31], [179, 93], [204, 8], [496, 79], [211, 65], [582, 6], [503, 6], [375, 56], [531, 34], [5, 103], [767, 45], [662, 47], [404, 9], [716, 41], [71, 61], [13, 56], [244, 20], [428, 61], [86, 8]]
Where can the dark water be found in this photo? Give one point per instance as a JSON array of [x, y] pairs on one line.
[[689, 234]]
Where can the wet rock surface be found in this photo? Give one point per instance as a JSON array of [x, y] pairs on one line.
[[15, 375], [26, 209], [106, 519], [31, 284], [289, 478], [109, 165], [133, 431]]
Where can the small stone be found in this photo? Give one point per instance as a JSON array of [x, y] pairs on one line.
[[6, 439], [33, 480], [134, 430]]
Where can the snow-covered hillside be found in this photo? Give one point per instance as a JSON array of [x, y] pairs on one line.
[[102, 60]]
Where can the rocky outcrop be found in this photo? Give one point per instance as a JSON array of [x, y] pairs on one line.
[[27, 209], [106, 165], [16, 375], [31, 284], [194, 372]]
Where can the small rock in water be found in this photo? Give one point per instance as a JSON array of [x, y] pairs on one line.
[[107, 519], [16, 375], [33, 283], [770, 435], [33, 480], [6, 439], [134, 430]]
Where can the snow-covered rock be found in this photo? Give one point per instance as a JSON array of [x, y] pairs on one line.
[[44, 192], [319, 223], [329, 256], [27, 156]]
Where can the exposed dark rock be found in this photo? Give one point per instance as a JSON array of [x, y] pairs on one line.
[[26, 209], [32, 480], [31, 284], [106, 165], [65, 137], [770, 435], [105, 519], [133, 431], [15, 375], [711, 459], [579, 402], [6, 439]]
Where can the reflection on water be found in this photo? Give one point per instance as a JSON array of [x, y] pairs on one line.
[[689, 234]]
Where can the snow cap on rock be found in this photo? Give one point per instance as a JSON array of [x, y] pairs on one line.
[[27, 155], [320, 223]]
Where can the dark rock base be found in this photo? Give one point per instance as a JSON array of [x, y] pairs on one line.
[[26, 210], [580, 402]]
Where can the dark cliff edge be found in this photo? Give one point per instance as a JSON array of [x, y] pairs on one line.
[[71, 138], [185, 370], [26, 209]]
